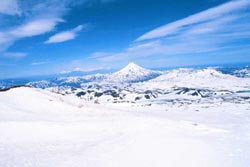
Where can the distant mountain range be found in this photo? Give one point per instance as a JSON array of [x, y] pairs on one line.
[[130, 74], [134, 84], [137, 85]]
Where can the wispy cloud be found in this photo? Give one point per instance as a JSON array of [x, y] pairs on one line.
[[98, 55], [35, 27], [14, 55], [65, 35], [79, 69], [9, 7], [5, 41], [199, 18], [34, 18], [29, 29], [156, 49], [216, 30], [39, 63]]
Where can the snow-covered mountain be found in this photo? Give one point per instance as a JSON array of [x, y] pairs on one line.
[[133, 73], [244, 73], [134, 84], [130, 74], [208, 78]]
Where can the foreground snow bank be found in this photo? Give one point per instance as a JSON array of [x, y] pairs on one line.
[[39, 128]]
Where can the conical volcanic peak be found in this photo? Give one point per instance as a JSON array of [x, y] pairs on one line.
[[133, 73], [133, 68]]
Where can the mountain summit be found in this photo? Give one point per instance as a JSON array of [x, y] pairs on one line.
[[132, 68], [133, 73]]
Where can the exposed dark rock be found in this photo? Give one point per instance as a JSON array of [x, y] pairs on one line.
[[13, 87], [79, 94], [98, 94], [137, 98]]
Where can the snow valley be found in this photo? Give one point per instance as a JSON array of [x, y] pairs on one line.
[[132, 117]]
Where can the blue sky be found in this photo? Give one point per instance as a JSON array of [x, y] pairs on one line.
[[50, 36]]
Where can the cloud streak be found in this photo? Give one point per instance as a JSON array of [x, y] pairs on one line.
[[217, 30], [14, 55], [65, 35], [9, 7], [34, 18], [26, 19], [35, 27], [199, 18], [39, 63]]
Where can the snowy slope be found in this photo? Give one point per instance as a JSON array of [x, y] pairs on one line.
[[39, 128], [134, 84], [192, 78], [193, 85]]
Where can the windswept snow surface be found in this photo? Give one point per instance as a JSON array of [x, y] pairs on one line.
[[42, 129]]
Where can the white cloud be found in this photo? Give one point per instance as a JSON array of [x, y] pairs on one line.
[[5, 41], [97, 55], [39, 63], [79, 69], [205, 16], [65, 35], [158, 48], [9, 7], [35, 27], [216, 30], [29, 29], [35, 18], [14, 55]]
